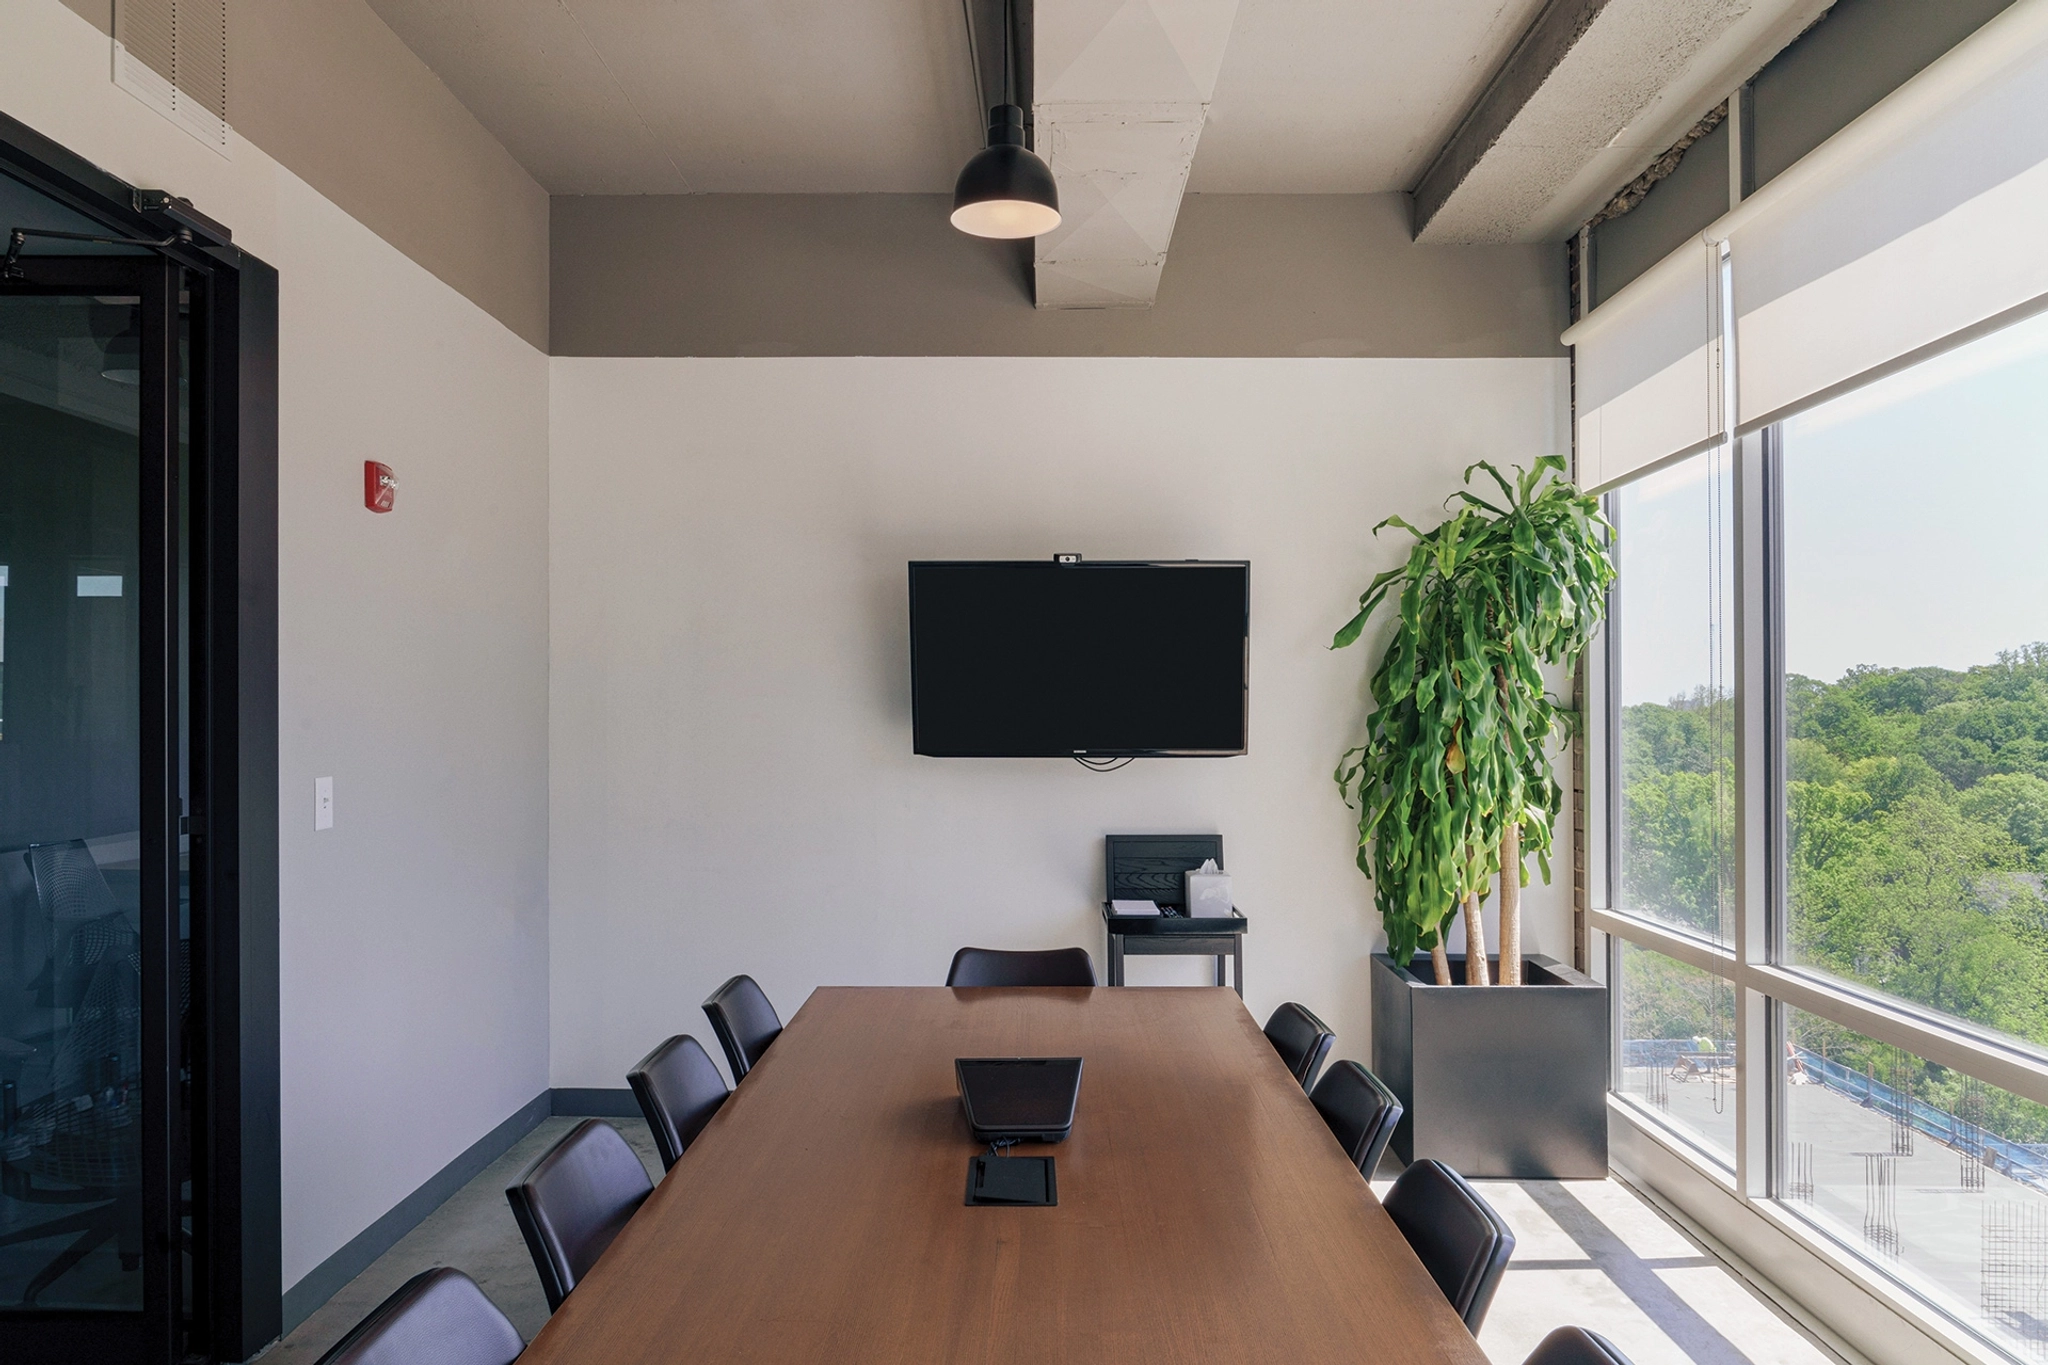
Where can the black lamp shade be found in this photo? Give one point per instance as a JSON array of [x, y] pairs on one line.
[[1005, 191], [123, 362]]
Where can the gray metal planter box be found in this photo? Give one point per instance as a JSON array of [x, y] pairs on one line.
[[1503, 1082]]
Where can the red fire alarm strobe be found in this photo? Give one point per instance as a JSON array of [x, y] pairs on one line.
[[380, 486]]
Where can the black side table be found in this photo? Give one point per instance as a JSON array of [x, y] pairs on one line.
[[1175, 935]]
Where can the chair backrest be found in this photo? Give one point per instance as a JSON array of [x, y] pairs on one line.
[[1460, 1240], [679, 1090], [1360, 1110], [572, 1202], [1575, 1346], [438, 1315], [1301, 1039], [69, 885], [995, 967], [745, 1024]]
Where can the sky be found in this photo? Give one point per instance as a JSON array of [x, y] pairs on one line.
[[1671, 545], [1915, 519]]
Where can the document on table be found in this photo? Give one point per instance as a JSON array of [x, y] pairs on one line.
[[1134, 907]]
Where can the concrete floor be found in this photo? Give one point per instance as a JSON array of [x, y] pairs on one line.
[[474, 1232], [1591, 1253], [1594, 1254]]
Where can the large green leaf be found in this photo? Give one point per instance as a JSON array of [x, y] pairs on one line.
[[1457, 747]]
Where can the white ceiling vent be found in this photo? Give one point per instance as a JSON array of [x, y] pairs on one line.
[[173, 56]]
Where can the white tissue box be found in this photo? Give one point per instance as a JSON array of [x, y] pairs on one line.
[[1208, 892]]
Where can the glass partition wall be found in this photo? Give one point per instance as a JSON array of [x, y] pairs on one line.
[[138, 704], [1824, 759], [94, 1086]]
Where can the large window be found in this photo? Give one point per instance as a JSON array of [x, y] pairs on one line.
[[1939, 1178], [1826, 826], [1677, 717], [1678, 1047], [1916, 689]]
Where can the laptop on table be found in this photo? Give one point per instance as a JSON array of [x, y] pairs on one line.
[[1019, 1099]]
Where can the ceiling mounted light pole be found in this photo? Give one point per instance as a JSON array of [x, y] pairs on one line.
[[1005, 190]]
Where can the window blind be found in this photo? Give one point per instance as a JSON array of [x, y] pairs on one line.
[[1647, 368], [1918, 221]]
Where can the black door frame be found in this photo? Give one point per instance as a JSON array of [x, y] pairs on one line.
[[233, 819]]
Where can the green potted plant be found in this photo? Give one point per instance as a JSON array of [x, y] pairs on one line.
[[1455, 790]]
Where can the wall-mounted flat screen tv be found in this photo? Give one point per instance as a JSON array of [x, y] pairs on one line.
[[1036, 659]]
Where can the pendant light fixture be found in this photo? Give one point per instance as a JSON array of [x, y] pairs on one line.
[[1005, 191], [123, 363], [118, 328]]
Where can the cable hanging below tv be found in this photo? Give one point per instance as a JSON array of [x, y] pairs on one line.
[[1091, 660]]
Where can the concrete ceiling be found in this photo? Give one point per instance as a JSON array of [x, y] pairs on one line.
[[740, 96], [1337, 97], [1121, 91], [1510, 120], [782, 96], [1594, 91]]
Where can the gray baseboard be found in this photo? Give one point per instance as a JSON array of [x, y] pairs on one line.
[[326, 1279], [596, 1104]]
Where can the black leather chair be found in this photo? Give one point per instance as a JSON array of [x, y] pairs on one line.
[[1460, 1240], [572, 1202], [994, 967], [438, 1315], [1575, 1346], [1360, 1110], [679, 1090], [745, 1024], [1301, 1039]]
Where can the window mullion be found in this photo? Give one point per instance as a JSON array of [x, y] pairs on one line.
[[1754, 848], [2020, 1070], [1672, 943], [1603, 778]]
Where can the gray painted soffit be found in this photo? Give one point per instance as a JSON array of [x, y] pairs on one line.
[[1593, 92]]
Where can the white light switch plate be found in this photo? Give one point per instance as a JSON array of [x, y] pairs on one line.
[[323, 803]]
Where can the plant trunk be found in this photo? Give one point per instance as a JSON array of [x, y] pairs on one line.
[[1510, 877], [1511, 906], [1440, 958], [1476, 971]]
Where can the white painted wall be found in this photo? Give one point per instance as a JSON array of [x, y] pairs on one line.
[[412, 669], [731, 781]]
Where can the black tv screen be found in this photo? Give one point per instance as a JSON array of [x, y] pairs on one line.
[[1036, 659]]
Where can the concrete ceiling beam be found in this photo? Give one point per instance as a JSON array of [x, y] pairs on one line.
[[1594, 91], [1121, 91]]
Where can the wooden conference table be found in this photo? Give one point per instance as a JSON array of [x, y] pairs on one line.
[[1205, 1212]]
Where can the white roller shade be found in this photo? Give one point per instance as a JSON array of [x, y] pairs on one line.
[[1925, 216], [1646, 368]]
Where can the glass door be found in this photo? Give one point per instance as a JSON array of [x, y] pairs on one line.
[[95, 1190]]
